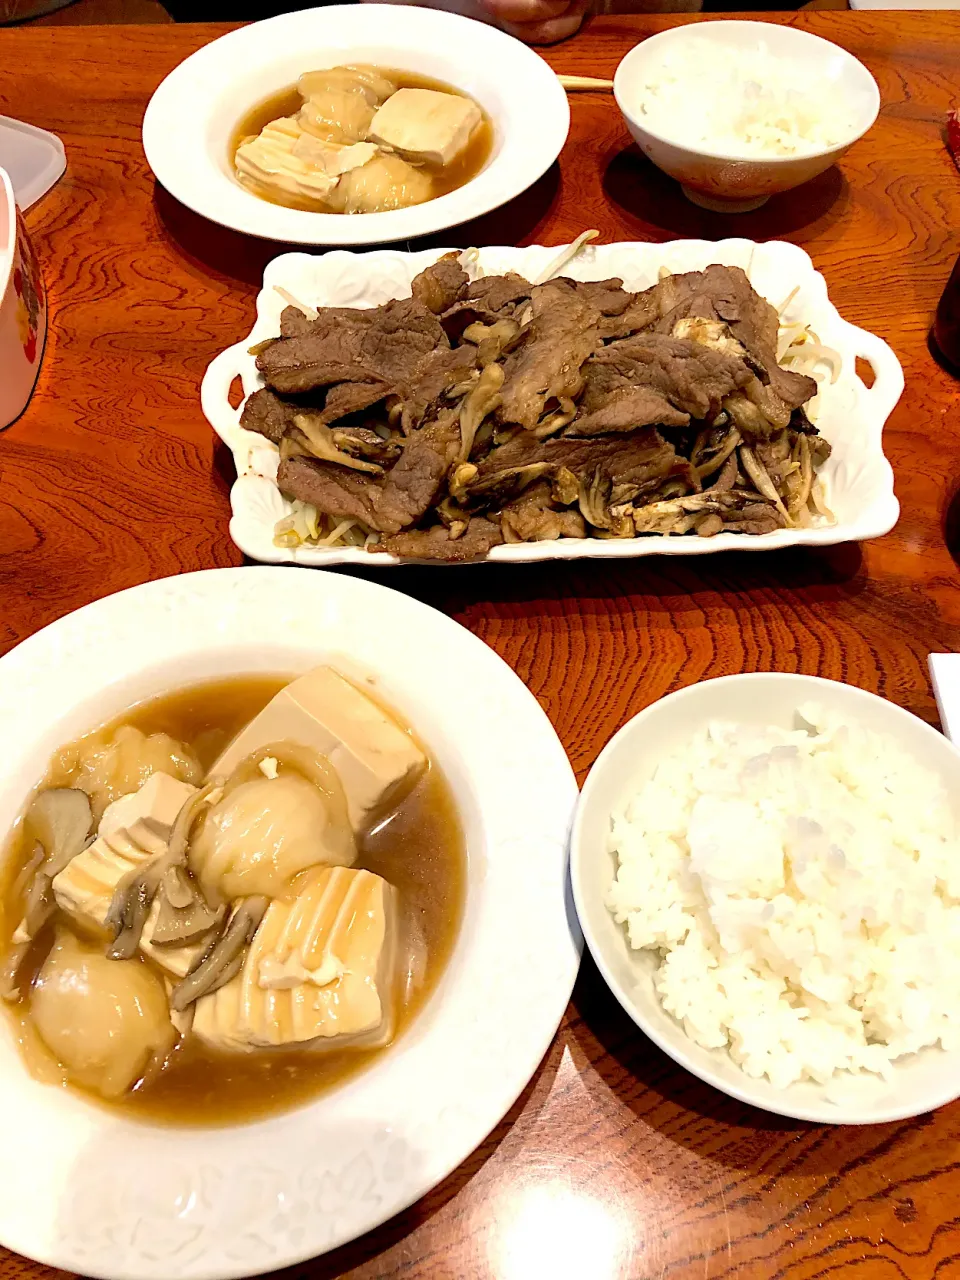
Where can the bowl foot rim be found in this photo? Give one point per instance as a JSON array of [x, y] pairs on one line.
[[718, 204]]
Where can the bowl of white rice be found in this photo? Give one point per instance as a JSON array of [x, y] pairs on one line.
[[767, 872], [738, 111]]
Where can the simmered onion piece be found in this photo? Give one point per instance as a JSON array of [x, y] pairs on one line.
[[110, 765], [335, 115], [386, 182], [264, 831], [106, 1022], [358, 78]]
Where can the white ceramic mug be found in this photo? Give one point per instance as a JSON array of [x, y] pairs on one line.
[[23, 309]]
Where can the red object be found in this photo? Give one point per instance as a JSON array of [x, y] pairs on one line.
[[953, 136]]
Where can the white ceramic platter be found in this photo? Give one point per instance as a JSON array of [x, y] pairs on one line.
[[83, 1189], [191, 119], [858, 477]]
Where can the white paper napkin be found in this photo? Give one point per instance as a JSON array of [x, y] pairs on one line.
[[945, 675]]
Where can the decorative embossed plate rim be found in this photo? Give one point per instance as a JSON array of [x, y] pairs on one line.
[[858, 476], [87, 1191]]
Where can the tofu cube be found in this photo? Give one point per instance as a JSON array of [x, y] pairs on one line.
[[375, 759], [332, 157], [425, 125], [319, 972], [133, 830], [85, 887], [159, 800]]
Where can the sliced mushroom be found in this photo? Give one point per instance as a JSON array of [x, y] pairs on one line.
[[776, 411], [464, 473], [492, 340], [223, 958], [564, 414], [61, 819], [38, 907], [706, 466], [319, 442], [764, 485], [128, 912], [737, 510], [503, 485], [10, 971], [565, 488], [594, 499], [452, 514], [176, 926], [483, 399], [727, 477], [747, 416], [177, 888], [135, 892]]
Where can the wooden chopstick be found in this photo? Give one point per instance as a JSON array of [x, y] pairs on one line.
[[584, 82]]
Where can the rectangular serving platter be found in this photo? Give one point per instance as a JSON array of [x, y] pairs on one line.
[[857, 478]]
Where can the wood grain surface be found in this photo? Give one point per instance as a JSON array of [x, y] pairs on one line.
[[614, 1163]]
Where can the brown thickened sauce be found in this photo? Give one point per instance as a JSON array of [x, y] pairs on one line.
[[445, 178], [419, 849]]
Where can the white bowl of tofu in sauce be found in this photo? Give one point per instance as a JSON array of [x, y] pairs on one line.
[[281, 943], [355, 125]]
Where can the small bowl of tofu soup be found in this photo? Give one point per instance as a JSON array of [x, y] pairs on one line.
[[361, 139], [350, 125], [255, 874]]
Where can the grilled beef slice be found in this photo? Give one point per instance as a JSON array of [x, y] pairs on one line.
[[611, 402], [488, 299], [725, 294], [413, 482], [638, 458], [271, 416], [337, 491], [437, 543], [439, 287], [694, 378], [561, 335], [383, 344]]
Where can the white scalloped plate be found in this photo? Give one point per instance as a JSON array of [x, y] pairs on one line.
[[86, 1190], [858, 478]]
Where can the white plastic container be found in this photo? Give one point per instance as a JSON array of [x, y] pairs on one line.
[[23, 309], [33, 158]]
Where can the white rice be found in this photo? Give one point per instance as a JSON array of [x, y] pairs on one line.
[[741, 101], [802, 890]]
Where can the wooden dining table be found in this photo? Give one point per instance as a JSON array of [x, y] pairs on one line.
[[614, 1162]]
